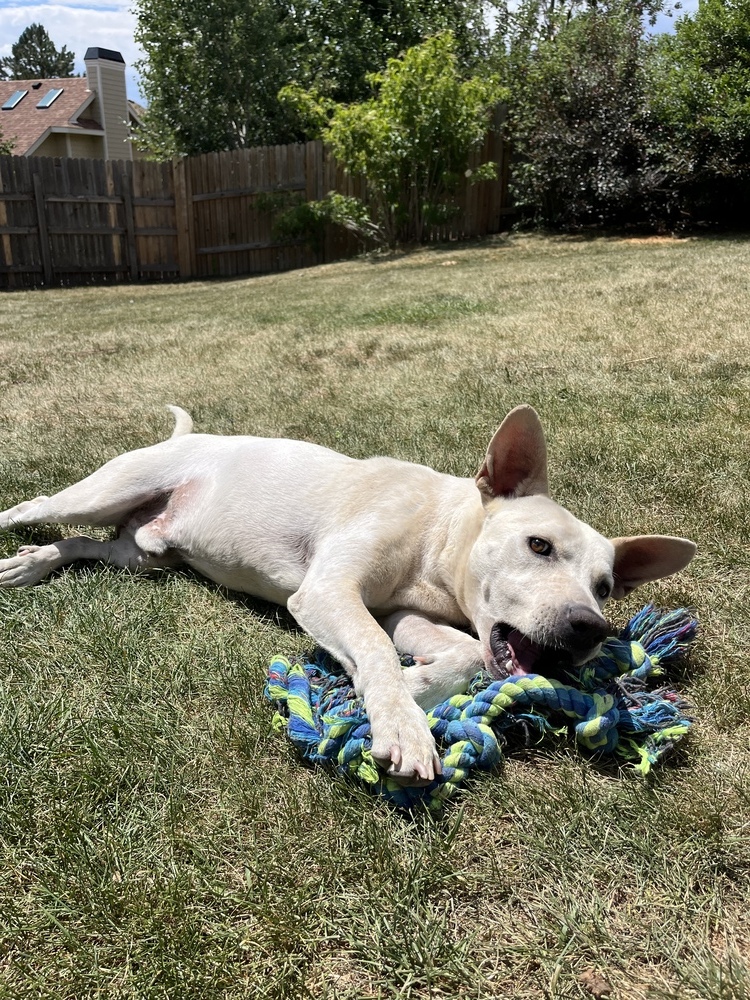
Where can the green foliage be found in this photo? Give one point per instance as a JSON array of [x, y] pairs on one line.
[[609, 126], [307, 109], [6, 145], [578, 116], [701, 98], [702, 76], [34, 55], [412, 141], [347, 40], [307, 221], [211, 74]]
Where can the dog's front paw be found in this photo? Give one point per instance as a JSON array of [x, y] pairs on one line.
[[403, 745], [439, 676]]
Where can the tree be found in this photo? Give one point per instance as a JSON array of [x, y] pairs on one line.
[[34, 55], [700, 94], [6, 145], [413, 139], [212, 72], [346, 40], [579, 116]]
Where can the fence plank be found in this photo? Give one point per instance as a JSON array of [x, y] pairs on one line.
[[105, 182], [6, 253], [182, 216], [126, 179], [41, 214], [26, 251]]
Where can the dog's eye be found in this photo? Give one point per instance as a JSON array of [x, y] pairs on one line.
[[603, 591], [540, 546]]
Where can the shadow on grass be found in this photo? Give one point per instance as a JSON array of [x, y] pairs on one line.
[[265, 611], [389, 255]]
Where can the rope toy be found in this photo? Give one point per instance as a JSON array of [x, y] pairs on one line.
[[608, 707]]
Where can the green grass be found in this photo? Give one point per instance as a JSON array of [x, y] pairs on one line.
[[160, 840]]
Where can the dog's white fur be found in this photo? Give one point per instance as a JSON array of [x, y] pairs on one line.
[[342, 541]]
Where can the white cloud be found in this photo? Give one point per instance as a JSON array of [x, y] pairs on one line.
[[108, 24]]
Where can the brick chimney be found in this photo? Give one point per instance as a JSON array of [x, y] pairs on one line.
[[105, 72]]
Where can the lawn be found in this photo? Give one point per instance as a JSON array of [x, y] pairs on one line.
[[160, 840]]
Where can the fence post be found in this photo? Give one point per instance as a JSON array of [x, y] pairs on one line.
[[6, 255], [183, 212], [125, 168], [41, 217]]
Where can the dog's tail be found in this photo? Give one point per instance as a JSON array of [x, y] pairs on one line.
[[183, 422]]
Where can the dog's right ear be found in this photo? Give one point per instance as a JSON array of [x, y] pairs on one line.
[[516, 462]]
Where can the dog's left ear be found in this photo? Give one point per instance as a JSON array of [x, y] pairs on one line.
[[644, 558], [516, 462]]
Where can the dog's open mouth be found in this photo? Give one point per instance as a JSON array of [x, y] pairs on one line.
[[515, 653]]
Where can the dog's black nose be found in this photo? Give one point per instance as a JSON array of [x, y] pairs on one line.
[[585, 628]]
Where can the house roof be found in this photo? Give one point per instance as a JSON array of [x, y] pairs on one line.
[[25, 124], [137, 111]]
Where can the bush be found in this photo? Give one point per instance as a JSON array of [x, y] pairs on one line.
[[579, 119], [412, 141], [700, 96], [307, 221], [609, 127]]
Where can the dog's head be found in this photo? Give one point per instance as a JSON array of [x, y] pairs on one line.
[[537, 577]]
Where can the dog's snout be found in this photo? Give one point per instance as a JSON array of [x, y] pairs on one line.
[[586, 629]]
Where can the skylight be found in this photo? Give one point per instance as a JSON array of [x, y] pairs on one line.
[[14, 99], [49, 97]]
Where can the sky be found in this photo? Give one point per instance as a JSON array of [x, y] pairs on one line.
[[78, 24], [110, 24]]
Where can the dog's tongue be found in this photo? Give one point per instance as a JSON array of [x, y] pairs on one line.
[[524, 652], [516, 654]]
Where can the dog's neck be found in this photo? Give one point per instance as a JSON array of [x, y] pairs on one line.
[[451, 545]]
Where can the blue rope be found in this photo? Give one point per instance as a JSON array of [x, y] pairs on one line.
[[607, 703]]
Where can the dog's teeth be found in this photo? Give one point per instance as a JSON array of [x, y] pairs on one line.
[[500, 668]]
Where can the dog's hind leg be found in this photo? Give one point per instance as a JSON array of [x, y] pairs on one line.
[[115, 490], [106, 497], [34, 562]]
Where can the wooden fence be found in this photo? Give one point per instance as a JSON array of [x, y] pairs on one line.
[[67, 221]]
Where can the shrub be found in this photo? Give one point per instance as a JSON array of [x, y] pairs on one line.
[[700, 96], [307, 221], [579, 118], [413, 139]]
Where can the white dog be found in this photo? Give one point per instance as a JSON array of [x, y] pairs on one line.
[[340, 540]]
